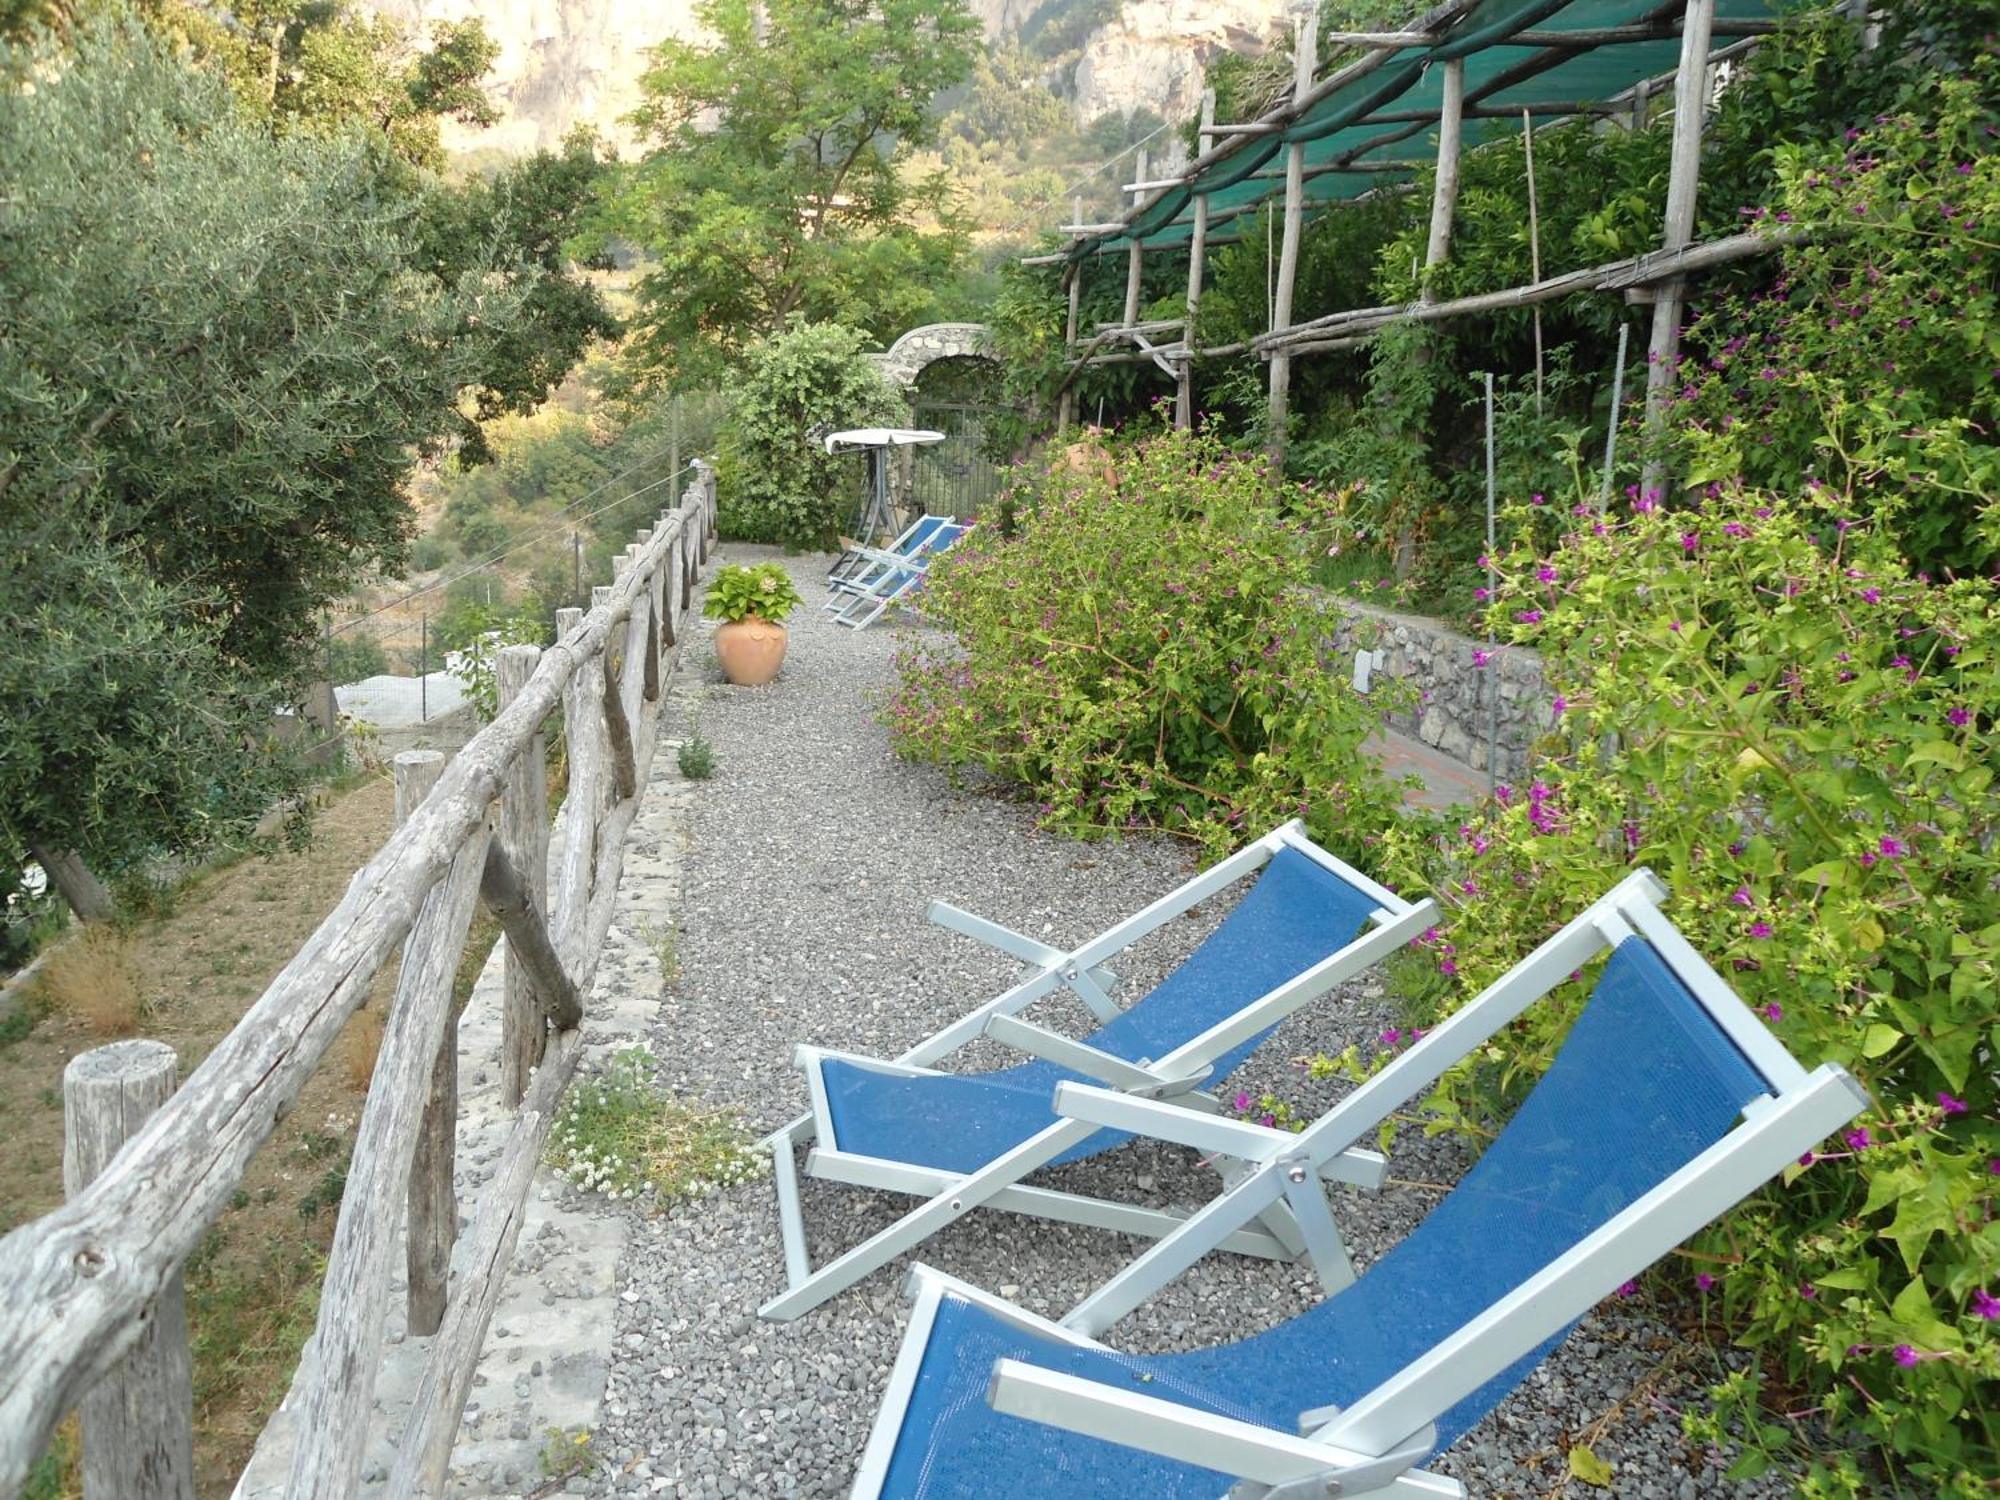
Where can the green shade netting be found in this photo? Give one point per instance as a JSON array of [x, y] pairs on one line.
[[1369, 119]]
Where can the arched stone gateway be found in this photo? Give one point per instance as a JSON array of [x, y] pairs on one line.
[[907, 357]]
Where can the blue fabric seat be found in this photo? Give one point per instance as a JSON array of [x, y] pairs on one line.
[[1296, 914], [920, 538], [1643, 1084]]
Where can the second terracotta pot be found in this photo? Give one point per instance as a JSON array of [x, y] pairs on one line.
[[751, 650]]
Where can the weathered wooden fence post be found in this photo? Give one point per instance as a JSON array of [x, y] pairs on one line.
[[1305, 63], [524, 835], [138, 1422], [433, 1203]]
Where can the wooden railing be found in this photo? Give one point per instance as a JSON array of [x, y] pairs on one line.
[[90, 1303]]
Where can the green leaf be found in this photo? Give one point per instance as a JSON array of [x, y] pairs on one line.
[[1828, 872], [1587, 1466], [1878, 1039], [1937, 752]]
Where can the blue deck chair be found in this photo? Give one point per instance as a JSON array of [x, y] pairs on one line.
[[896, 577], [860, 563], [960, 1141], [1667, 1104]]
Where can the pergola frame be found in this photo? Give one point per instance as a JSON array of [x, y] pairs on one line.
[[1449, 33]]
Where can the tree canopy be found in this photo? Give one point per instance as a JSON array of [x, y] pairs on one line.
[[777, 182], [223, 349]]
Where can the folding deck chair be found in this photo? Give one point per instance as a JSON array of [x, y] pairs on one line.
[[965, 1140], [893, 577], [1667, 1104], [859, 562]]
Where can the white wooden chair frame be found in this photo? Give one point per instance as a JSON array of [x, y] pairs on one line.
[[861, 563], [1373, 1446], [1173, 1082], [862, 599]]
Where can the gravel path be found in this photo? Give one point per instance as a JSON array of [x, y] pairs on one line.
[[813, 852]]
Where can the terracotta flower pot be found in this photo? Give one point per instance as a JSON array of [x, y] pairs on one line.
[[751, 650]]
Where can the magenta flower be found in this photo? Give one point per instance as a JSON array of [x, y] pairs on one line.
[[1447, 966], [1809, 1158], [1873, 596], [1481, 658], [1546, 573], [1857, 1138], [1690, 540], [1742, 897], [1985, 1306], [1705, 1282], [1760, 929], [1529, 616], [1560, 706], [1267, 1120], [1242, 1102], [1808, 1291], [1906, 1356], [1391, 1037], [1628, 1288], [1959, 716], [1891, 848], [1950, 1105]]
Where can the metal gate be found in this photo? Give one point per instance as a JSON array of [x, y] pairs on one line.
[[954, 477]]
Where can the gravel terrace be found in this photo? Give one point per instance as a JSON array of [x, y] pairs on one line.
[[813, 852]]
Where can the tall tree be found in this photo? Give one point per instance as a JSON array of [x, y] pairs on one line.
[[216, 363], [777, 182]]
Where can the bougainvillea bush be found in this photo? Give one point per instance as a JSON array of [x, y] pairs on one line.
[[1757, 699], [1145, 650]]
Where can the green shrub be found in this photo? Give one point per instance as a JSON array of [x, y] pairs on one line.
[[355, 655], [778, 482], [1145, 651], [1757, 699]]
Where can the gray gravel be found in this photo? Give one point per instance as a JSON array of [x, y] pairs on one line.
[[813, 853]]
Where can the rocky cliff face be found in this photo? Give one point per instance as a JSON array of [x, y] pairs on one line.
[[569, 62]]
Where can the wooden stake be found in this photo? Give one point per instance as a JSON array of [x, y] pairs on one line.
[[524, 834], [1683, 179], [138, 1422], [1534, 247], [1066, 408], [1197, 250], [1305, 62]]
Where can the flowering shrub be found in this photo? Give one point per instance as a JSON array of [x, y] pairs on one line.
[[1145, 651], [1757, 699], [1869, 365]]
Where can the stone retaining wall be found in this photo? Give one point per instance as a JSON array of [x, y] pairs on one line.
[[1451, 711]]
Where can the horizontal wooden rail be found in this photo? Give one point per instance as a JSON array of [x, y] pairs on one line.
[[77, 1282]]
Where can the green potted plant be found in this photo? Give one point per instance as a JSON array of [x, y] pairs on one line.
[[751, 601]]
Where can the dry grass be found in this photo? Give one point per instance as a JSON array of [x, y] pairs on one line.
[[94, 981], [360, 1044]]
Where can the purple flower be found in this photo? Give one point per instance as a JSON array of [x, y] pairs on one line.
[[1808, 1291], [1993, 1167], [1959, 716], [1705, 1282], [1267, 1120], [1628, 1288], [1529, 616], [1742, 897], [1809, 1158], [1558, 708], [1774, 1012], [1906, 1356], [1950, 1105], [1481, 594], [1985, 1306], [1447, 966], [1873, 596], [1857, 1138], [1760, 929], [1481, 658], [1891, 848], [1546, 573], [1690, 540], [1242, 1102], [1391, 1037]]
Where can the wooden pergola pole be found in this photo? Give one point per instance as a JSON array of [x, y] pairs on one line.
[[1683, 178], [1066, 407], [1444, 200], [1135, 256], [1197, 249], [1305, 62]]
